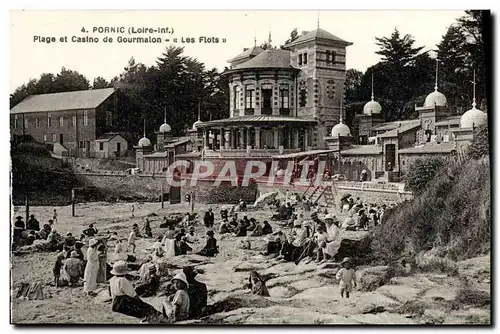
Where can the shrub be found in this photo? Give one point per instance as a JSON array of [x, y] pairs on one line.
[[480, 146], [453, 214], [31, 149], [421, 172], [473, 297]]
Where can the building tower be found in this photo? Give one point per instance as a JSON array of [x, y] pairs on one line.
[[372, 116], [164, 133], [143, 148], [320, 56]]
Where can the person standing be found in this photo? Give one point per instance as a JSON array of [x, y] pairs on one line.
[[91, 269], [346, 277], [133, 237], [209, 218], [54, 216], [33, 224], [133, 210]]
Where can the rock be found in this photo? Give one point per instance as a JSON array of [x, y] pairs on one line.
[[281, 292], [305, 284], [354, 244], [400, 293], [327, 273], [371, 278], [329, 265]]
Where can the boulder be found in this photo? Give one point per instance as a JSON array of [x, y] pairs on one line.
[[371, 278], [354, 244]]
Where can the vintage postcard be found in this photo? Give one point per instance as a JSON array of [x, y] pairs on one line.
[[250, 167]]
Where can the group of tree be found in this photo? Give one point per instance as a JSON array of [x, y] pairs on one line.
[[406, 72], [178, 85]]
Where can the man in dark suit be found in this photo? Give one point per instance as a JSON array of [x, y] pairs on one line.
[[209, 218]]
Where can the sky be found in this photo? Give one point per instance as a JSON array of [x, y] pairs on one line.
[[30, 58]]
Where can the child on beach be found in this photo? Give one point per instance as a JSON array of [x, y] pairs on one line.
[[320, 237], [57, 268], [54, 217], [133, 237], [346, 277]]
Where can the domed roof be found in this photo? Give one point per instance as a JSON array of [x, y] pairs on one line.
[[435, 99], [372, 107], [473, 117], [144, 142], [340, 130], [195, 124], [165, 128]]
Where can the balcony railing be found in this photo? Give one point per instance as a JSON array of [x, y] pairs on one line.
[[251, 152]]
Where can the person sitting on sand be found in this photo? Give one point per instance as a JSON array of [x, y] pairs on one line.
[[274, 243], [182, 245], [234, 222], [241, 229], [30, 238], [225, 228], [120, 252], [257, 285], [197, 291], [190, 236], [44, 233], [33, 224], [150, 285], [125, 299], [257, 230], [242, 205], [70, 240], [211, 249], [266, 228], [185, 220], [180, 301], [346, 277], [90, 232], [73, 269], [54, 239]]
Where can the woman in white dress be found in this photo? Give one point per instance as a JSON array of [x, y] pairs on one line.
[[333, 236], [91, 269]]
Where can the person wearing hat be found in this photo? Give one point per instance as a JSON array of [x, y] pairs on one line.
[[150, 285], [91, 268], [346, 277], [120, 252], [73, 268], [241, 229], [211, 249], [33, 224], [208, 219], [333, 236], [197, 291], [181, 300], [147, 229], [89, 232], [225, 228], [125, 299], [182, 245], [70, 240], [54, 239]]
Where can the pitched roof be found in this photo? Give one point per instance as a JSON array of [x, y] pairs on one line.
[[179, 141], [302, 154], [452, 120], [247, 53], [268, 59], [249, 119], [81, 99], [392, 125], [403, 128], [430, 148], [109, 136], [317, 34], [363, 150]]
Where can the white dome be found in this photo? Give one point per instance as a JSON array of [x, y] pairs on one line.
[[372, 107], [144, 142], [195, 124], [473, 117], [435, 98], [340, 130], [165, 128]]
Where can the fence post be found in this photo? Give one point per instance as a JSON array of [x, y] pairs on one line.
[[73, 202], [27, 204], [161, 195], [192, 201]]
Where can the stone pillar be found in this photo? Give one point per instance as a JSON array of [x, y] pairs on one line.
[[306, 138], [276, 136], [257, 137], [295, 138], [248, 143], [222, 139], [206, 138], [227, 141], [242, 138]]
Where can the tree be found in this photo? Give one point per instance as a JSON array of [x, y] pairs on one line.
[[68, 80], [293, 36], [397, 49], [100, 82], [352, 84]]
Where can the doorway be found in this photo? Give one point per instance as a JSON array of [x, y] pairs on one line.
[[61, 139], [118, 149], [390, 156], [266, 101]]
